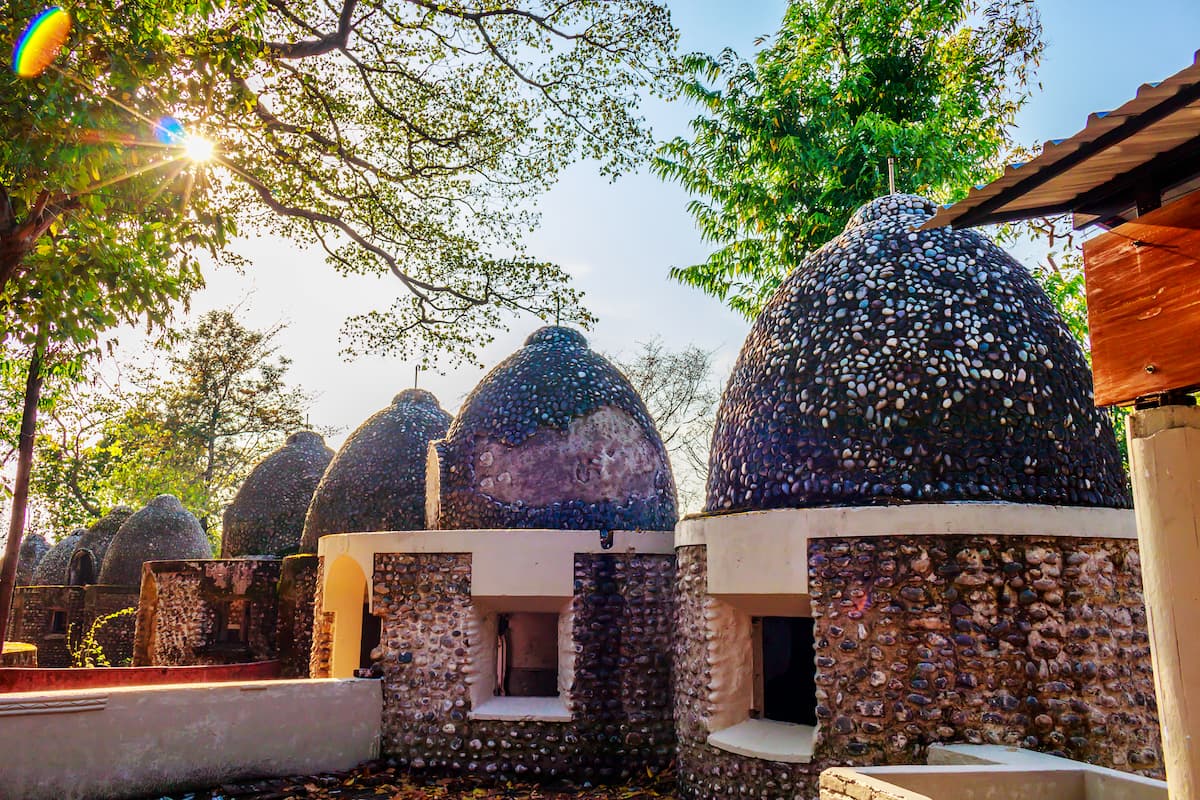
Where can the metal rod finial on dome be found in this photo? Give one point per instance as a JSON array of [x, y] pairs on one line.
[[891, 175]]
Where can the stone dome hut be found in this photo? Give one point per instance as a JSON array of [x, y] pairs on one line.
[[67, 596], [530, 633], [917, 528], [89, 552], [902, 365], [376, 482], [553, 437], [163, 530], [52, 569], [266, 517], [33, 549]]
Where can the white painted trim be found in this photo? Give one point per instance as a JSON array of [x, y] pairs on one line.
[[532, 709], [768, 740], [504, 563], [766, 552]]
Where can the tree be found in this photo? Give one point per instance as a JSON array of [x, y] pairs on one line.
[[790, 144], [195, 429], [682, 397], [401, 136]]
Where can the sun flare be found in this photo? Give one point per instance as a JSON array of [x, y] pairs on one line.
[[199, 149]]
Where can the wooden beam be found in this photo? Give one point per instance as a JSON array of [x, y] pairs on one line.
[[1143, 297], [982, 213]]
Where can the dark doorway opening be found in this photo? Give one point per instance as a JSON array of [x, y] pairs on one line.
[[527, 655], [785, 670], [372, 631], [233, 622], [82, 569]]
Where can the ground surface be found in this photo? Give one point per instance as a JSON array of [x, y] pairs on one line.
[[378, 780]]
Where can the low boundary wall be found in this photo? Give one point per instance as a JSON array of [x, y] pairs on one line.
[[24, 679], [147, 741]]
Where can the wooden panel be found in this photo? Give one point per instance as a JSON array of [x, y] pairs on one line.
[[1143, 293]]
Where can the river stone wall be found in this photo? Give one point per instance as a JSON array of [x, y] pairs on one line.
[[294, 631], [620, 697], [1024, 641], [179, 611], [320, 663]]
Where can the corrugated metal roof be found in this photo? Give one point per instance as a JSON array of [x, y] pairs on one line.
[[1163, 117]]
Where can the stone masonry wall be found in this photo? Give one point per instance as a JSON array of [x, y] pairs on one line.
[[181, 603], [1032, 641], [29, 621], [320, 664], [112, 630], [294, 631], [620, 696], [1026, 641]]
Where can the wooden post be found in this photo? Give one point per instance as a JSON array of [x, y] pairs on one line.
[[1164, 455]]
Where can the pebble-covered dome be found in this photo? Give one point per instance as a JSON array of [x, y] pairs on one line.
[[553, 437], [99, 536], [33, 549], [903, 365], [52, 569], [266, 518], [163, 530], [376, 482]]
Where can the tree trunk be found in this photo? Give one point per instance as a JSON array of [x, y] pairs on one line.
[[16, 525]]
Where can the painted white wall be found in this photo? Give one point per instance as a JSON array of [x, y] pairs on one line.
[[150, 740]]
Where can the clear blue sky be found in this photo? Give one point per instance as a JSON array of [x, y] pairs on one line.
[[619, 240]]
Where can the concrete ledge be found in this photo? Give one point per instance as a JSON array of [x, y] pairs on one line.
[[768, 740], [991, 772], [504, 563], [150, 741], [766, 552], [530, 709]]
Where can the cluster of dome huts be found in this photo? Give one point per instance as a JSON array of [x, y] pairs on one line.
[[917, 531]]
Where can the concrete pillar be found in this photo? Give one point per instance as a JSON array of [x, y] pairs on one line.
[[1164, 456]]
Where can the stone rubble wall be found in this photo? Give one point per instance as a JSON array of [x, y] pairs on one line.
[[320, 664], [294, 632], [1025, 641], [30, 615], [1028, 641], [620, 697], [115, 635], [177, 620]]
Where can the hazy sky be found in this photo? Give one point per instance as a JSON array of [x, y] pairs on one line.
[[619, 239]]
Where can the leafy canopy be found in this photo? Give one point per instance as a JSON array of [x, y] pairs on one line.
[[789, 144], [402, 136], [194, 427]]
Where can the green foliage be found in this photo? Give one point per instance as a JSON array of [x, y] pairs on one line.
[[88, 652], [193, 428], [788, 145], [401, 136]]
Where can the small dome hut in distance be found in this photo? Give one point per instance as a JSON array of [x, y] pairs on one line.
[[163, 530], [376, 482], [266, 518]]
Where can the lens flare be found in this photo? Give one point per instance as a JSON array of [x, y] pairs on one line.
[[198, 148], [41, 42], [169, 130]]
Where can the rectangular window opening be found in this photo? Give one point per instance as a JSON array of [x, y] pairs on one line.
[[785, 688], [233, 622], [58, 621], [527, 655]]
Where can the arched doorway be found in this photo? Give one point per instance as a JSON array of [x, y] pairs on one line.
[[348, 598], [82, 569]]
